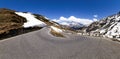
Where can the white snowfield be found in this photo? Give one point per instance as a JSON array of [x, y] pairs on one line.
[[56, 29], [31, 20], [113, 31]]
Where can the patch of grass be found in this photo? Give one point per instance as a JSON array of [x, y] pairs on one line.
[[57, 34], [9, 20]]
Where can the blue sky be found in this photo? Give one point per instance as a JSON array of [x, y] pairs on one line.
[[57, 8]]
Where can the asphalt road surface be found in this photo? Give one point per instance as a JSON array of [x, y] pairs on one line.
[[42, 45]]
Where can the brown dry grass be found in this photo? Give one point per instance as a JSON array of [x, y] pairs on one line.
[[41, 18], [57, 34], [11, 24], [9, 20]]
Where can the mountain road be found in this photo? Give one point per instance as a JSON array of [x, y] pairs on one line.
[[42, 45]]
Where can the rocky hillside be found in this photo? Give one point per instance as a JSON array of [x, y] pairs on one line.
[[9, 20], [108, 27], [14, 23]]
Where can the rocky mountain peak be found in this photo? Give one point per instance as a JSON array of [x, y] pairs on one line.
[[108, 27]]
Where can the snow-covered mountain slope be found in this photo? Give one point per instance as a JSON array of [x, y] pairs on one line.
[[14, 23], [71, 25], [108, 27], [74, 25], [31, 20]]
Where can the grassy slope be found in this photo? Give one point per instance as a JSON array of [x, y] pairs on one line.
[[9, 20], [57, 34], [11, 24]]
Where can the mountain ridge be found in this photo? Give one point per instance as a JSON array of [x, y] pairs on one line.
[[107, 27], [14, 23]]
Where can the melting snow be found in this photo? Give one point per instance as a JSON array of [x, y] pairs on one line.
[[56, 29], [115, 31], [31, 20], [112, 27]]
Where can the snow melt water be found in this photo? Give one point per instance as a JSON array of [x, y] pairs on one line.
[[31, 20]]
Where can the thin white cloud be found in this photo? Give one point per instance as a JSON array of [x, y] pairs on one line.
[[71, 19], [95, 16], [94, 19]]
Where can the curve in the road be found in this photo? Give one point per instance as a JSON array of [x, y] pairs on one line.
[[42, 45]]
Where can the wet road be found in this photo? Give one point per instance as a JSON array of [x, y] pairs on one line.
[[41, 45]]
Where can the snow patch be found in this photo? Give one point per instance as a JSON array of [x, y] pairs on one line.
[[56, 29], [115, 31], [102, 31], [31, 20]]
